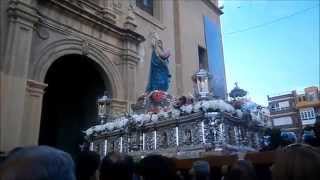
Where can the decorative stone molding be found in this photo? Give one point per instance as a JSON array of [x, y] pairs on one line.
[[118, 106], [57, 49], [129, 57], [87, 8], [94, 16], [22, 10], [35, 88], [108, 14], [41, 31], [130, 22], [85, 47]]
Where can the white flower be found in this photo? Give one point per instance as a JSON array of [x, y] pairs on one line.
[[197, 106], [121, 123], [146, 117], [89, 131], [186, 108], [175, 113], [227, 107], [166, 114], [154, 117], [161, 113], [217, 105], [139, 119], [109, 126], [205, 105], [99, 128]]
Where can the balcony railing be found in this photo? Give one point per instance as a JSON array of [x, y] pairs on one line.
[[281, 110]]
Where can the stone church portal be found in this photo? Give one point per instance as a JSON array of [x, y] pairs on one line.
[[74, 83]]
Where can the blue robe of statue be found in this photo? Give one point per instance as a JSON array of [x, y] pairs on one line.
[[159, 77]]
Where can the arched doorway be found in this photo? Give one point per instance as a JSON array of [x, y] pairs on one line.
[[69, 104]]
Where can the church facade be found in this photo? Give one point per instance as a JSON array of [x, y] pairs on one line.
[[59, 56]]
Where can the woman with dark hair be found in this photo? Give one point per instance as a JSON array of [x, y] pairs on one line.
[[157, 167], [87, 163], [297, 162], [116, 166]]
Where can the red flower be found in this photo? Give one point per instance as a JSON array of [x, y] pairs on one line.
[[158, 96]]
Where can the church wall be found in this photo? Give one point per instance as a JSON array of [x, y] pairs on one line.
[[3, 26], [14, 70], [192, 36]]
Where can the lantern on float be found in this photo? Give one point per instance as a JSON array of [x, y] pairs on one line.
[[201, 81], [103, 107]]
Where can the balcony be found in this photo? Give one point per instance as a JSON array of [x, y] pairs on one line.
[[275, 111]]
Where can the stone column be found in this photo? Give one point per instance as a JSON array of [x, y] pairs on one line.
[[178, 48], [13, 72], [118, 106], [128, 70], [32, 113]]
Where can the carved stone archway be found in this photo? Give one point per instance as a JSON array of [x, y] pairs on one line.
[[36, 82], [64, 47]]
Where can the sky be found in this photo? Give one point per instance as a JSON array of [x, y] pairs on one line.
[[271, 47]]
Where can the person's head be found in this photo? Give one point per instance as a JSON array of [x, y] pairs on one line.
[[275, 138], [296, 162], [316, 128], [241, 170], [157, 167], [116, 167], [200, 170], [38, 163], [87, 163], [288, 138], [308, 136]]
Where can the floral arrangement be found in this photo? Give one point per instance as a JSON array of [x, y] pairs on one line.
[[138, 120], [158, 96]]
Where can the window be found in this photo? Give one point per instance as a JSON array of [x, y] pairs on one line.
[[301, 115], [312, 114], [307, 116], [146, 5], [203, 58], [284, 105], [304, 98], [280, 106]]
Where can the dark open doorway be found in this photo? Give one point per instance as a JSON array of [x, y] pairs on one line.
[[69, 104]]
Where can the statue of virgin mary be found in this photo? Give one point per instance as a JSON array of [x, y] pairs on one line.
[[159, 76]]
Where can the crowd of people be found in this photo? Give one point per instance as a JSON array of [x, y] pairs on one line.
[[295, 161]]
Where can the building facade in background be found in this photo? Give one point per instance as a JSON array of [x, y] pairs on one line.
[[308, 105], [293, 111], [58, 56]]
